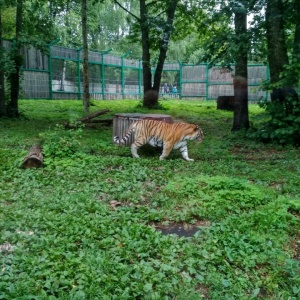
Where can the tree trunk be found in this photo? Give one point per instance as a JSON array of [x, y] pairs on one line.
[[14, 77], [277, 51], [151, 93], [240, 81], [164, 44], [2, 88], [146, 64], [86, 93], [296, 46]]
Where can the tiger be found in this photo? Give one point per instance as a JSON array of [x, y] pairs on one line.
[[161, 134]]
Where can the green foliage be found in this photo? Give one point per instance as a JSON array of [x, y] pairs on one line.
[[60, 143], [283, 126], [214, 197], [83, 226], [283, 123]]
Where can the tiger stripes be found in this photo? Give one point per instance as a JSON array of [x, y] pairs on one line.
[[161, 134]]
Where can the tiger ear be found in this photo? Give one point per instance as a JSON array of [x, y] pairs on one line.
[[196, 128]]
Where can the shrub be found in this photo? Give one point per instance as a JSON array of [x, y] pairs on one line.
[[60, 143], [284, 126]]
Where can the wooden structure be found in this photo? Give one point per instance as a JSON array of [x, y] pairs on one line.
[[121, 123], [225, 103]]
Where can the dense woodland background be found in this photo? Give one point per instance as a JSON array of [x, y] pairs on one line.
[[89, 223], [193, 31]]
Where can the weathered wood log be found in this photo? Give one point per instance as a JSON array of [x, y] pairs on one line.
[[90, 124], [93, 115], [225, 103], [103, 121], [34, 158], [89, 119]]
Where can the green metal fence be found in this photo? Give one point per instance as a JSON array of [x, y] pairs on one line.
[[58, 75]]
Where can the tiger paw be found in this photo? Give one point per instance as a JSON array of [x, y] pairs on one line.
[[189, 159]]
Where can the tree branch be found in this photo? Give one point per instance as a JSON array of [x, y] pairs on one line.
[[129, 12]]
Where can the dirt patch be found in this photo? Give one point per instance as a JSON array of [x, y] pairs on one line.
[[296, 240], [6, 247], [6, 203], [296, 248], [256, 154], [181, 229], [203, 291]]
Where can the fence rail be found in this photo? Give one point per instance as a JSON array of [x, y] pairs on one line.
[[58, 75]]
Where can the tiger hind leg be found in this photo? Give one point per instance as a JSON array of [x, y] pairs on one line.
[[135, 146], [134, 149]]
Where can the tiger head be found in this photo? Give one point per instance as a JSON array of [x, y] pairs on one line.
[[195, 133]]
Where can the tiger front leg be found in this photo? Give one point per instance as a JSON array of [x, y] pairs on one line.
[[184, 152], [166, 151]]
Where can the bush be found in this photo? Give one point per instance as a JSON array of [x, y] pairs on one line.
[[60, 143], [284, 124]]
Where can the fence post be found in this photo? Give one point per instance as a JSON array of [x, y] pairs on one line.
[[122, 72], [207, 81], [50, 67], [78, 74], [267, 79], [180, 79], [140, 75], [103, 72]]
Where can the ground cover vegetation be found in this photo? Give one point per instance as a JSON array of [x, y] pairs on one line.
[[85, 225]]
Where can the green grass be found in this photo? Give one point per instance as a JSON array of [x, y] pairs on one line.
[[82, 227]]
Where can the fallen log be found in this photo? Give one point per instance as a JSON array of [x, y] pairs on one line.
[[88, 120], [89, 117], [104, 121], [34, 158]]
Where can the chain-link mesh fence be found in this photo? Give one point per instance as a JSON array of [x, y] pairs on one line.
[[59, 75]]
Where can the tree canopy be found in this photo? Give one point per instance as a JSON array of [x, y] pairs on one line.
[[193, 31]]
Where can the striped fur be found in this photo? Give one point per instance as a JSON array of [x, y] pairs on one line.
[[161, 134]]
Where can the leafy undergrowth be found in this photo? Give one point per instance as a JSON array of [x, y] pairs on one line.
[[82, 226]]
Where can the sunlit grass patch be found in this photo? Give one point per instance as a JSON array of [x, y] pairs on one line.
[[83, 226]]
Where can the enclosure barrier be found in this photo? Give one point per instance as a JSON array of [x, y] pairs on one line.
[[59, 75]]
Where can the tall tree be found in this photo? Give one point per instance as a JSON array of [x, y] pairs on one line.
[[25, 23], [170, 14], [226, 45], [2, 87], [277, 50], [284, 125], [297, 32], [14, 76], [86, 93], [240, 80], [155, 24], [296, 44]]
